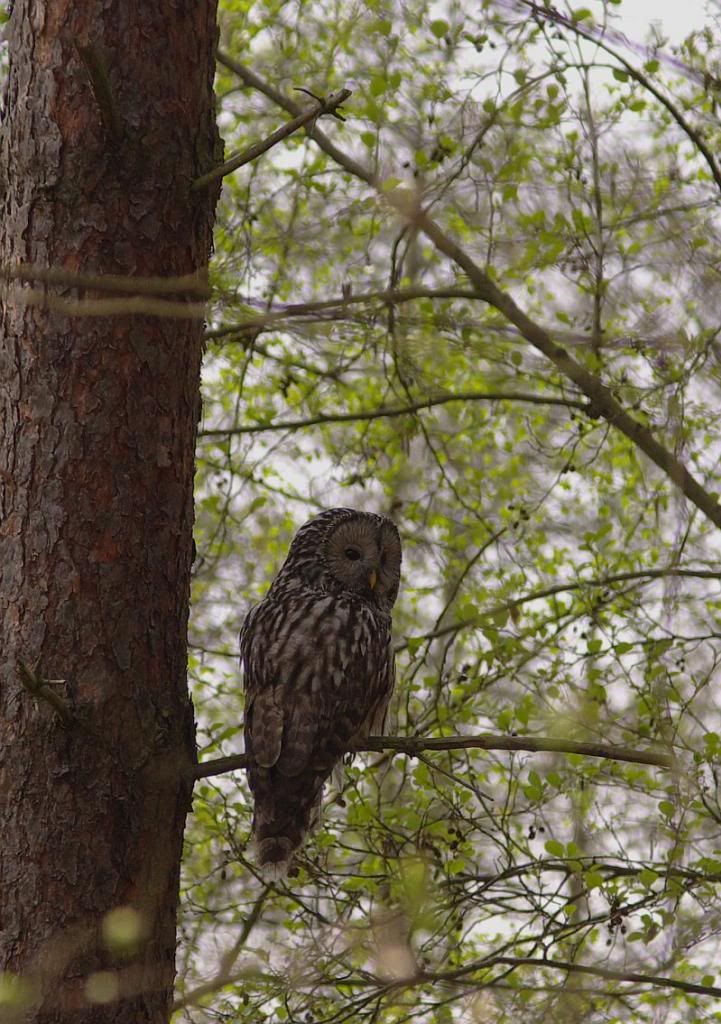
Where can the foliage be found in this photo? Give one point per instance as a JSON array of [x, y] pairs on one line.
[[558, 582]]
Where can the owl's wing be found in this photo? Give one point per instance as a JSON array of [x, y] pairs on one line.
[[300, 734], [357, 708], [264, 722], [278, 669], [311, 692], [375, 723], [263, 717]]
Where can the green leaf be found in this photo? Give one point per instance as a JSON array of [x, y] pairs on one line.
[[555, 848], [593, 879], [439, 28], [622, 648], [647, 877], [456, 865]]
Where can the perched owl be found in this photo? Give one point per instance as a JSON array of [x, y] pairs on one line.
[[318, 669]]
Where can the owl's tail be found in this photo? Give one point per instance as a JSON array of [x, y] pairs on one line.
[[280, 833], [274, 856]]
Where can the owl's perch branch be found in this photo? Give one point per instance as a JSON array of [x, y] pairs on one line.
[[412, 745], [535, 744]]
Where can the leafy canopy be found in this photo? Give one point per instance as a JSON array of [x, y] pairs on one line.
[[484, 303]]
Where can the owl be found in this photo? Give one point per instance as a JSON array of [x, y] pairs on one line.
[[318, 670]]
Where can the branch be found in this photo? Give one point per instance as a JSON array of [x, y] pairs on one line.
[[596, 37], [190, 284], [601, 396], [324, 106], [225, 974], [562, 965], [313, 311], [254, 81], [629, 870], [140, 302], [413, 745], [390, 296], [397, 410], [406, 204], [136, 305], [497, 610], [645, 576]]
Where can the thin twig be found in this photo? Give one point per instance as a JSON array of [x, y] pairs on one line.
[[41, 689], [576, 968], [225, 974], [551, 14], [325, 106], [397, 410], [405, 202], [493, 613], [304, 309]]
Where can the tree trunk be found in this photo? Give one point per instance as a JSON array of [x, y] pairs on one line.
[[108, 118]]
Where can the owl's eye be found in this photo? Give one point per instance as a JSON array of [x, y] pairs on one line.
[[352, 553]]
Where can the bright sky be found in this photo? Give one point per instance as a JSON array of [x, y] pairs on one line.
[[677, 18]]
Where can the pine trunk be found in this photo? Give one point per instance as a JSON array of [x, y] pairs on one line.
[[108, 116]]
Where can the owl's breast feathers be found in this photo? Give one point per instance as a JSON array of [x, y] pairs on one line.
[[318, 676]]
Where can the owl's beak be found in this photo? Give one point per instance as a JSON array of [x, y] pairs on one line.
[[373, 579]]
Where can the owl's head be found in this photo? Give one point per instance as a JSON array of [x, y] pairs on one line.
[[344, 550]]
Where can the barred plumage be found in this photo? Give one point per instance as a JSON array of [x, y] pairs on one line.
[[318, 669]]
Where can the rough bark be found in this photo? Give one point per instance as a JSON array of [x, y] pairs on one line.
[[108, 116]]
